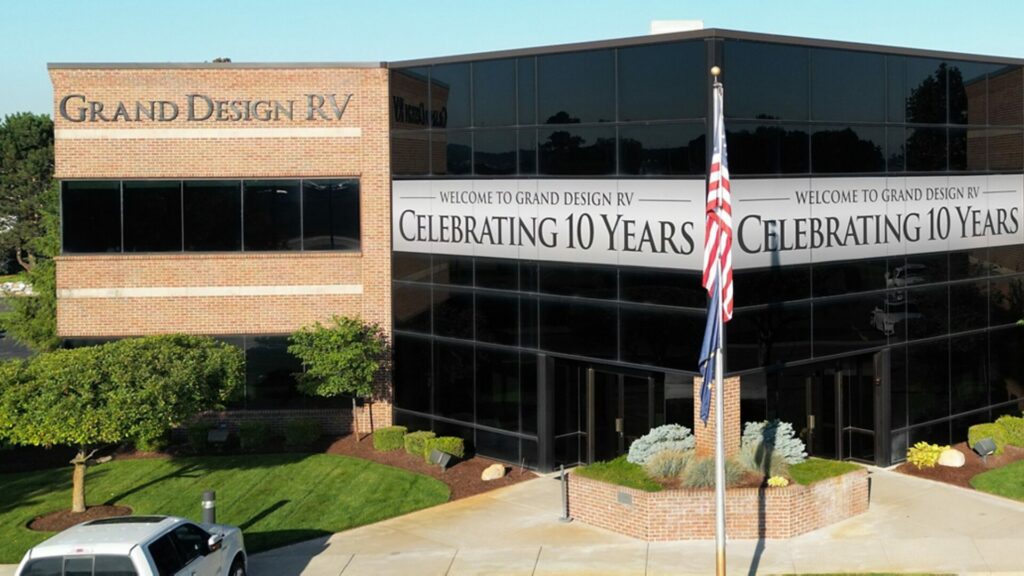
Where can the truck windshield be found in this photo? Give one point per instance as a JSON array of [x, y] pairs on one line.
[[103, 565]]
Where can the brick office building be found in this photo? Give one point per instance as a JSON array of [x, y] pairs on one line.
[[530, 232]]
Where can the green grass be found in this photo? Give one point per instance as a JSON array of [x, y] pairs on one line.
[[19, 277], [620, 472], [813, 469], [276, 499], [1005, 481]]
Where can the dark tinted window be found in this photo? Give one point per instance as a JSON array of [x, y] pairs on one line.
[[453, 270], [449, 96], [578, 328], [850, 324], [896, 153], [925, 90], [1006, 365], [410, 266], [272, 215], [576, 87], [769, 285], [657, 286], [662, 149], [503, 274], [453, 313], [527, 142], [968, 92], [1004, 149], [453, 381], [45, 567], [412, 373], [497, 389], [113, 566], [409, 98], [853, 276], [410, 153], [190, 541], [494, 152], [270, 374], [452, 152], [213, 215], [968, 308], [330, 211], [768, 336], [152, 216], [928, 381], [78, 565], [968, 363], [91, 213], [526, 90], [577, 151], [848, 149], [589, 281], [927, 312], [494, 93], [497, 319], [165, 556], [1006, 301], [765, 80], [1005, 96], [662, 81], [661, 337], [847, 86], [411, 308], [767, 148]]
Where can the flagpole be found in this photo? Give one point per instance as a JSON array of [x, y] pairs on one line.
[[719, 408]]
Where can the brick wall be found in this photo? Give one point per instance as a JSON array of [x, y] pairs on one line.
[[705, 435], [690, 514], [99, 295]]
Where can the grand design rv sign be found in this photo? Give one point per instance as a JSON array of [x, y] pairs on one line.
[[659, 223]]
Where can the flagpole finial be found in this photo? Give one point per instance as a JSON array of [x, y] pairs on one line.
[[716, 71]]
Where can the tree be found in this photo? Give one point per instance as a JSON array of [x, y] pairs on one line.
[[127, 389], [342, 358], [26, 184]]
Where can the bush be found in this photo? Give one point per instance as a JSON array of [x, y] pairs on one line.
[[668, 464], [925, 455], [755, 458], [667, 437], [301, 433], [390, 438], [253, 436], [153, 444], [989, 430], [778, 482], [416, 442], [448, 444], [198, 437], [1013, 429], [775, 436], [701, 473]]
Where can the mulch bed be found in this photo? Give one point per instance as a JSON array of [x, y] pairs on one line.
[[971, 468], [463, 479], [63, 519]]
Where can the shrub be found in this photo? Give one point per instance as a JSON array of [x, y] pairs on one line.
[[448, 444], [668, 464], [416, 442], [667, 437], [253, 436], [390, 438], [1013, 429], [756, 458], [925, 455], [778, 482], [153, 444], [301, 433], [701, 473], [989, 430], [775, 436], [198, 437]]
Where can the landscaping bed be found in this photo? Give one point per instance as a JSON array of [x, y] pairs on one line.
[[973, 465], [462, 479]]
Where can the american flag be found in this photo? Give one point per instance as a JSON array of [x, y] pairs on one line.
[[717, 255]]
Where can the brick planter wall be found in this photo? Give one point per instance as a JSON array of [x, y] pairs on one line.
[[690, 514]]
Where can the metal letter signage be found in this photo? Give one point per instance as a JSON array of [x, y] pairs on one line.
[[658, 223], [79, 108]]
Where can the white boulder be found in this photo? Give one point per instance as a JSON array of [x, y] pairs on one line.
[[952, 458], [493, 472]]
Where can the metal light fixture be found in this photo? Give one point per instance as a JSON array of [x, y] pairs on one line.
[[984, 448]]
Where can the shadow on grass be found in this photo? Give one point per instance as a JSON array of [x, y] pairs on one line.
[[263, 514], [183, 472], [27, 489]]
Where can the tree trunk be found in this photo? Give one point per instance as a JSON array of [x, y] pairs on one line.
[[369, 406], [27, 264], [78, 482], [355, 422]]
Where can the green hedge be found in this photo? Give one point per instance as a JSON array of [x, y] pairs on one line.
[[989, 430], [1013, 429], [390, 438], [301, 433], [198, 437], [449, 444], [253, 436], [415, 442]]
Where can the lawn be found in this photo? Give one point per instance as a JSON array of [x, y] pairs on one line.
[[813, 469], [277, 499], [621, 472], [1006, 481]]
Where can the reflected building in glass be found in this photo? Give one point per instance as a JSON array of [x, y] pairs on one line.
[[882, 273]]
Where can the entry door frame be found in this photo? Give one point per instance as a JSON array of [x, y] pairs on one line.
[[590, 369]]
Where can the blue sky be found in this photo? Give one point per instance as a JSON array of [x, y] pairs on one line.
[[34, 32]]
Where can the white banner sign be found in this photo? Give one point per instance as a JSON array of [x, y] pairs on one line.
[[660, 223]]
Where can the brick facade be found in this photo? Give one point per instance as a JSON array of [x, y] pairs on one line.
[[113, 295], [705, 435], [690, 514]]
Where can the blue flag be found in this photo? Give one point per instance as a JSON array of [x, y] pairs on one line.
[[712, 345]]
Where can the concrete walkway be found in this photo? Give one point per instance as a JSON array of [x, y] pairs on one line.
[[912, 525]]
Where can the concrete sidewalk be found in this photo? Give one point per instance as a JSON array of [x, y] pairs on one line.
[[912, 525]]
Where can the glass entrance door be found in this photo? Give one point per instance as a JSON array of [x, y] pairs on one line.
[[840, 398]]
